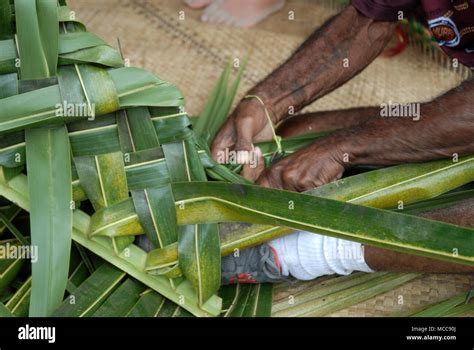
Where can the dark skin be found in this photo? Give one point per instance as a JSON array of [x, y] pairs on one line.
[[314, 70], [377, 258], [325, 121], [446, 128], [331, 56], [382, 260]]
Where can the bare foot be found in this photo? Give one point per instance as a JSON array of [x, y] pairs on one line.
[[241, 13], [197, 4]]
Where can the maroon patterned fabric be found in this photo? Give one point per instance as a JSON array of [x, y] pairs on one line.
[[450, 21]]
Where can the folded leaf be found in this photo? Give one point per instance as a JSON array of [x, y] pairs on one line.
[[228, 202]]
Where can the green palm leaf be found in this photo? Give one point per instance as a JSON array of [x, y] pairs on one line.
[[139, 168], [247, 300], [315, 214], [51, 215], [47, 157], [19, 303], [38, 37], [91, 294], [326, 300]]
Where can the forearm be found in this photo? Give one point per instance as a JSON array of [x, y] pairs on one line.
[[445, 128], [326, 121], [332, 55], [386, 260]]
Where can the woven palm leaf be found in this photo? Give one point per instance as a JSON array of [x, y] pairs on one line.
[[134, 165]]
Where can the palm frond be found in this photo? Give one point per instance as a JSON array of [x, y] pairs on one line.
[[135, 164]]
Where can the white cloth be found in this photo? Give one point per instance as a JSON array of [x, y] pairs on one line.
[[306, 256]]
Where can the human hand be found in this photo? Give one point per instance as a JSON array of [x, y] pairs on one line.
[[317, 164], [247, 125]]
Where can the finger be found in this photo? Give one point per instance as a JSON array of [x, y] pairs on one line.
[[225, 139], [291, 185], [263, 181], [255, 167], [244, 134], [270, 179], [305, 185], [339, 175], [293, 176]]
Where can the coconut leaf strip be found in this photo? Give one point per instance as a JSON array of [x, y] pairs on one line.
[[333, 302], [227, 202], [40, 107], [106, 184], [50, 191], [156, 211], [98, 137], [408, 183], [6, 23], [326, 287], [216, 99], [16, 190], [148, 305], [92, 293], [38, 37], [122, 300], [198, 246], [443, 308], [440, 172], [19, 302], [247, 300], [155, 206]]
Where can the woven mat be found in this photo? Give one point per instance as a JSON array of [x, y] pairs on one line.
[[191, 55]]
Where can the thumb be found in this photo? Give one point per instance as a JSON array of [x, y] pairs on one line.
[[252, 170]]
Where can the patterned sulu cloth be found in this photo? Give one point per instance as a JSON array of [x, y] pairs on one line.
[[450, 21]]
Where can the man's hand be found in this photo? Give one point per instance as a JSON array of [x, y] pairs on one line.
[[246, 126], [315, 165], [314, 70], [444, 129]]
